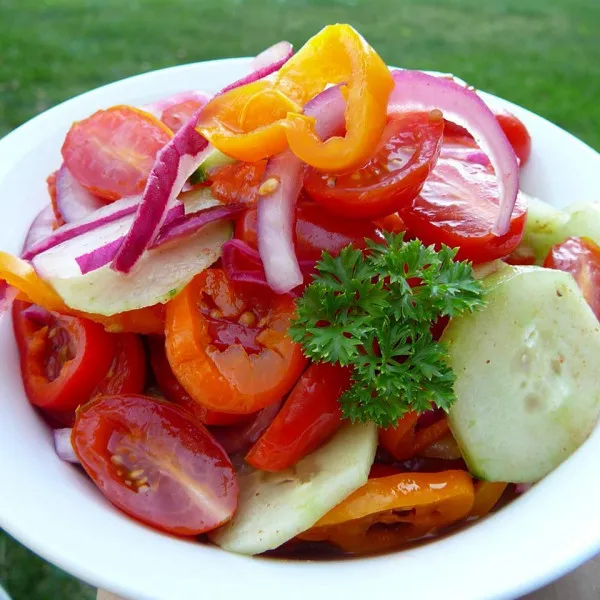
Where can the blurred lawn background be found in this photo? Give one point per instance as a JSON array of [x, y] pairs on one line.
[[542, 54]]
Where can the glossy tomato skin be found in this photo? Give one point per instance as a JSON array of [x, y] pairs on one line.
[[176, 116], [309, 417], [458, 206], [228, 344], [317, 230], [62, 361], [237, 183], [155, 462], [391, 179], [112, 151], [175, 392], [127, 373], [581, 258]]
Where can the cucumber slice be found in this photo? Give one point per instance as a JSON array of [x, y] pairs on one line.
[[583, 221], [197, 200], [275, 507], [526, 375], [214, 159], [157, 277], [543, 228]]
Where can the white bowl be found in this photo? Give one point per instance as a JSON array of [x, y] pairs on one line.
[[57, 512]]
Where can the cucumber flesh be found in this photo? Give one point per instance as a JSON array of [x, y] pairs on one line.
[[275, 507], [543, 228], [197, 200], [214, 159], [526, 370]]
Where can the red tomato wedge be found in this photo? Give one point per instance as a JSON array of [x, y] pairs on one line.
[[581, 258], [391, 179], [237, 183], [127, 373], [317, 230], [175, 392], [513, 128], [156, 463], [176, 116], [458, 206], [63, 360], [309, 417], [111, 152], [228, 344]]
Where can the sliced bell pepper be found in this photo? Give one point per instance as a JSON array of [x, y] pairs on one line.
[[254, 121], [19, 274], [388, 512], [405, 440], [487, 494]]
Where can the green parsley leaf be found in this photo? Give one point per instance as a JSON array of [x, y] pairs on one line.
[[374, 311]]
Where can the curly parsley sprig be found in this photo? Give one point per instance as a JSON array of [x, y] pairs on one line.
[[374, 311]]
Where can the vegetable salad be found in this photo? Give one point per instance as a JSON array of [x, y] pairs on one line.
[[312, 310]]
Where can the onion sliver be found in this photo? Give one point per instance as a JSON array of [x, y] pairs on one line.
[[40, 229], [278, 194], [63, 446], [415, 90], [74, 202], [174, 163], [265, 63]]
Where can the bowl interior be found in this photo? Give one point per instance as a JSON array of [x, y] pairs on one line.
[[52, 508]]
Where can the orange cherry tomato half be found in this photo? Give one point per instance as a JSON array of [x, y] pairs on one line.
[[458, 206], [175, 392], [228, 344], [581, 258], [317, 230], [111, 152], [155, 462], [310, 416], [127, 373], [63, 360], [391, 178], [237, 183]]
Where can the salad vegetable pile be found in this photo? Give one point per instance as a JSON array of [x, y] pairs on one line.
[[312, 310]]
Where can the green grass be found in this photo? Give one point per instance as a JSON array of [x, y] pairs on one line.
[[542, 54]]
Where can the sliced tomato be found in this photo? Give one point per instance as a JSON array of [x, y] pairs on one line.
[[175, 392], [309, 417], [127, 373], [51, 184], [513, 128], [237, 183], [317, 230], [111, 152], [458, 206], [156, 463], [581, 258], [392, 178], [63, 358], [176, 116], [228, 344]]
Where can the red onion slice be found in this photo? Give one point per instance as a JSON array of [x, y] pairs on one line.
[[63, 446], [103, 216], [278, 194], [175, 162], [74, 202], [265, 63], [7, 296], [157, 108], [40, 229], [38, 314], [415, 90]]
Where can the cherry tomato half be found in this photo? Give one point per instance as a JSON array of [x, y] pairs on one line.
[[228, 345], [176, 116], [51, 185], [581, 258], [458, 206], [237, 183], [317, 230], [156, 463], [111, 152], [127, 373], [513, 128], [63, 359], [175, 392], [309, 417], [392, 178]]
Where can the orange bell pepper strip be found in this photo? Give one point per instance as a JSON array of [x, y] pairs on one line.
[[405, 441], [410, 504], [258, 120], [32, 288], [487, 494]]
